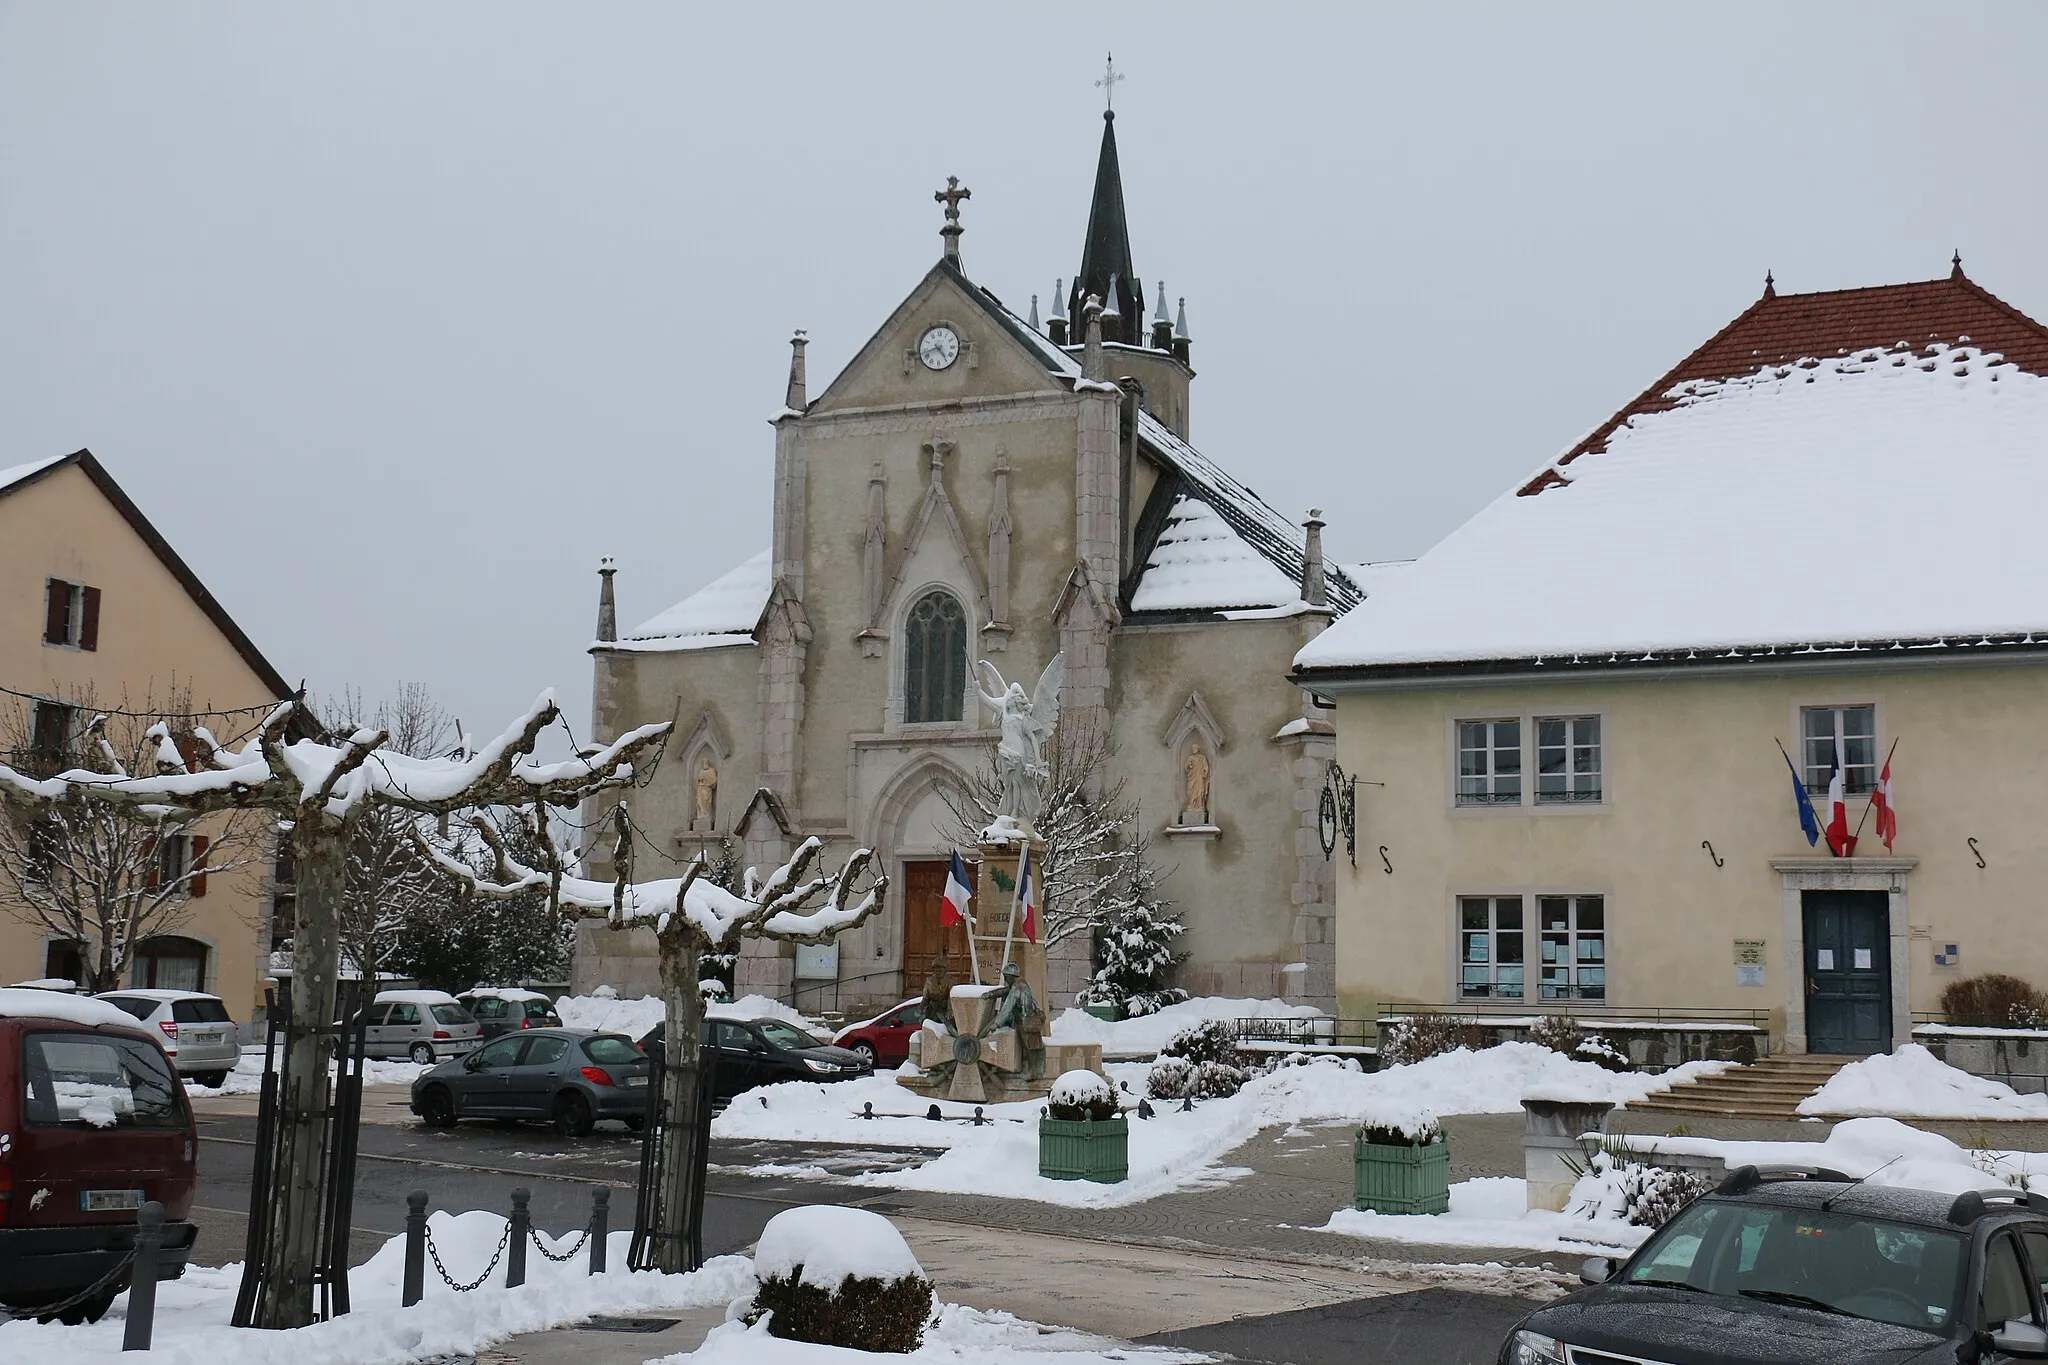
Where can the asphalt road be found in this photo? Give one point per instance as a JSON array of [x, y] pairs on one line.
[[476, 1166]]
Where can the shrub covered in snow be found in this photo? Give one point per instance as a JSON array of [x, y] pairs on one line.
[[1413, 1128], [1601, 1053], [1080, 1095], [1994, 1000], [840, 1277], [1614, 1184], [1203, 1062], [1422, 1036]]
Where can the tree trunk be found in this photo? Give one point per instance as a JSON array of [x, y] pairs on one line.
[[287, 1299], [682, 1022]]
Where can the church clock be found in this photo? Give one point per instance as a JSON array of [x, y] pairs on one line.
[[939, 347]]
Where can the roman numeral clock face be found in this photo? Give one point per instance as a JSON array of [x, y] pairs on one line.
[[939, 347]]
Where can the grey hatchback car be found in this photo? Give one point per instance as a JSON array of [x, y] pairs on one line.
[[570, 1078]]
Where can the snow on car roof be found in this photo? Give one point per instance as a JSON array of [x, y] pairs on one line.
[[501, 993], [416, 997], [155, 993], [16, 1003]]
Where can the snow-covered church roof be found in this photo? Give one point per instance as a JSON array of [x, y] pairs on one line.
[[1854, 471], [1200, 563], [722, 612]]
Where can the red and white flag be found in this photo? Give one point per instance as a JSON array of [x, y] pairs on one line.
[[1887, 812], [953, 910], [1840, 841]]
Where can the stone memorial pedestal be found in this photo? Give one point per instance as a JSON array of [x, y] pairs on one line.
[[1550, 1142]]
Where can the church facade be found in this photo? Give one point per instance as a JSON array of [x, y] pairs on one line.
[[979, 485]]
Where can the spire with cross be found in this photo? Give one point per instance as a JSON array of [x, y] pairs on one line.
[[951, 197], [1107, 85]]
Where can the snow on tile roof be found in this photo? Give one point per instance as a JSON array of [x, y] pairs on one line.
[[1200, 563], [722, 612], [1378, 575], [1889, 495]]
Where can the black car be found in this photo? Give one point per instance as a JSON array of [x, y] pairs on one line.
[[1785, 1267], [753, 1052]]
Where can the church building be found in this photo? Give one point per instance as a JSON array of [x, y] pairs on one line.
[[976, 485]]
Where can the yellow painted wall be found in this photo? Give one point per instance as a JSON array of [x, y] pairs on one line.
[[1689, 759], [153, 638]]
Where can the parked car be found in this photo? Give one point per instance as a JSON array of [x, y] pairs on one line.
[[425, 1026], [884, 1039], [755, 1052], [198, 1033], [568, 1077], [498, 1009], [1812, 1266], [93, 1124]]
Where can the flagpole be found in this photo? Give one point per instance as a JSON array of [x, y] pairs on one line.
[[967, 914], [1871, 800], [1799, 779], [1016, 896]]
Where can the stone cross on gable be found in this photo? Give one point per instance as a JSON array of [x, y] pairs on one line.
[[951, 197]]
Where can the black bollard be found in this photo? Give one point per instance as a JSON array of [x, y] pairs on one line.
[[522, 1225], [414, 1286], [933, 1114], [600, 1227], [149, 1236]]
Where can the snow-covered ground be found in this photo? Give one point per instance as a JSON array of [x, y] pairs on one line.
[[1912, 1083], [1172, 1150], [1147, 1034], [1493, 1212], [247, 1077], [615, 1014], [962, 1336], [192, 1316], [1884, 1150]]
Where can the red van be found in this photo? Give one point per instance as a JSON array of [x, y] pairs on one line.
[[93, 1123]]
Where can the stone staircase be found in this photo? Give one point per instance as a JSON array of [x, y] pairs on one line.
[[1768, 1089]]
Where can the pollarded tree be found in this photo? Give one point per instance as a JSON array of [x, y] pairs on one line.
[[692, 919], [102, 876], [321, 787]]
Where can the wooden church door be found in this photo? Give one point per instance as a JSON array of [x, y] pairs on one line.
[[924, 894]]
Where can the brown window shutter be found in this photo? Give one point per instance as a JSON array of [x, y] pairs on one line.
[[89, 620], [154, 878], [197, 886], [57, 612]]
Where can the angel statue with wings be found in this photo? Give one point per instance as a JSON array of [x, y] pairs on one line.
[[1027, 724]]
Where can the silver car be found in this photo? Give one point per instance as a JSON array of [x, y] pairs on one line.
[[425, 1026], [196, 1030]]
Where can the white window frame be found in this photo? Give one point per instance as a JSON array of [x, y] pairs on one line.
[[1492, 777], [1494, 901], [1840, 709], [1529, 718], [1574, 935], [1572, 745]]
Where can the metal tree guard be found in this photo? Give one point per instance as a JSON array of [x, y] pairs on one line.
[[652, 1224], [338, 1170]]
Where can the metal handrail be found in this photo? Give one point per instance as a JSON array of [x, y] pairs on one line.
[[1655, 1014]]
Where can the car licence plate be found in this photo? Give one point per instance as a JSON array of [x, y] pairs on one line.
[[636, 1080], [109, 1201]]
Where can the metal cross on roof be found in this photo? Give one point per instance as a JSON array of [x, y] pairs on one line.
[[951, 197], [1107, 85]]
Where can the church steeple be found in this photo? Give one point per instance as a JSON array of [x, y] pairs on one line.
[[1106, 254]]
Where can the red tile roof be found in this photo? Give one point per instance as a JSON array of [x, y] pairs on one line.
[[1779, 329]]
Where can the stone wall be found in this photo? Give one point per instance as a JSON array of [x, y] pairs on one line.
[[2016, 1057]]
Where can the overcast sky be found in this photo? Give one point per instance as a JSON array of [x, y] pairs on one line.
[[394, 318]]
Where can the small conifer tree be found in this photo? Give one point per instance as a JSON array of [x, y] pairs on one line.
[[1136, 945]]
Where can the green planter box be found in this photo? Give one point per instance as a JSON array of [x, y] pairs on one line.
[[1403, 1179], [1109, 1013], [1081, 1149]]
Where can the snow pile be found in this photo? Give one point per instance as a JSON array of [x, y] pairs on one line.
[[1861, 435], [722, 612], [1912, 1084], [960, 1336], [21, 1002], [511, 993], [1200, 563], [829, 1242], [1146, 1035], [1493, 1212], [611, 1014], [247, 1076], [1077, 1088], [192, 1314], [1884, 1150]]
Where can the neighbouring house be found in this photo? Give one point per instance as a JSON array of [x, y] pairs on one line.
[[981, 484], [96, 606], [1822, 529]]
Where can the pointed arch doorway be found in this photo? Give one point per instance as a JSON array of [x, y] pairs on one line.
[[924, 935]]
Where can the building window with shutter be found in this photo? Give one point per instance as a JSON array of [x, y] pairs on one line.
[[180, 863], [71, 615], [51, 727], [935, 659]]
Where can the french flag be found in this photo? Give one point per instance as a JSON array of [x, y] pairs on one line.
[[1027, 894], [953, 910], [1841, 842]]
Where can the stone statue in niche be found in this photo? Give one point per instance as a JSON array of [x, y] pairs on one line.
[[704, 814], [1195, 778]]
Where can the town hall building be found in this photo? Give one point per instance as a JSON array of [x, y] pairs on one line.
[[978, 484]]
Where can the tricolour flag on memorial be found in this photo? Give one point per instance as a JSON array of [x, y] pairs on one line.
[[953, 910], [1027, 895]]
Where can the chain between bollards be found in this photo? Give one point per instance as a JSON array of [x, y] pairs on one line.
[[521, 1229], [415, 1282], [149, 1239]]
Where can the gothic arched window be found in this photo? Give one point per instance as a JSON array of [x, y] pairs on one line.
[[934, 658]]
